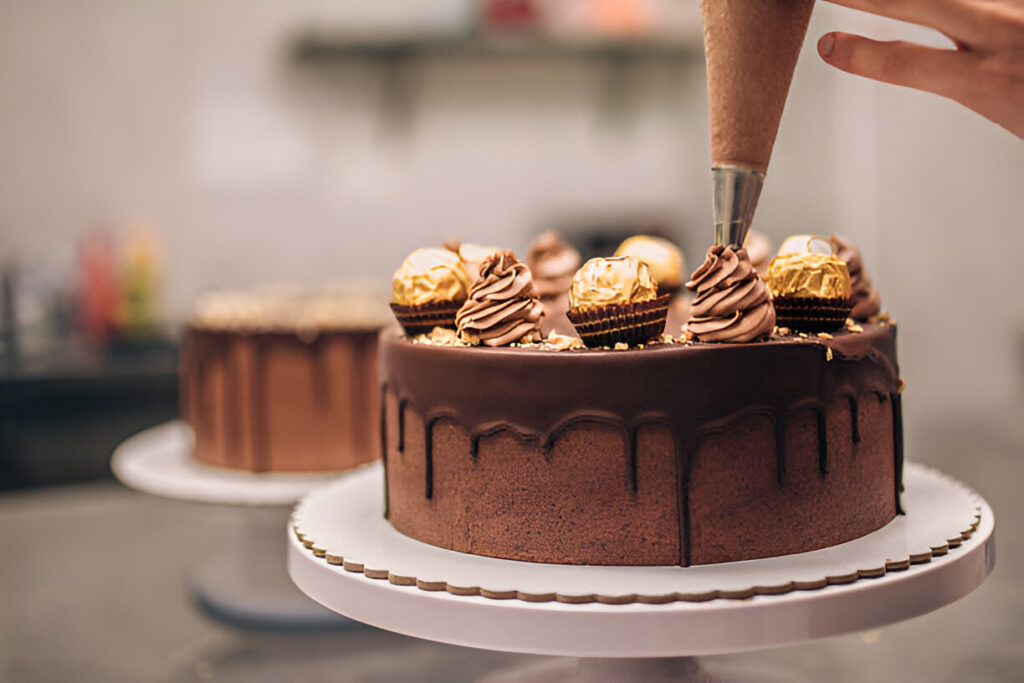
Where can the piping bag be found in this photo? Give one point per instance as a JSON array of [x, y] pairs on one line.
[[751, 48]]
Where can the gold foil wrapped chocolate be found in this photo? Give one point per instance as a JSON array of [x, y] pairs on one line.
[[428, 276], [663, 258], [611, 281], [806, 275]]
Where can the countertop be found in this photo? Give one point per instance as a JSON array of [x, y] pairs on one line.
[[93, 587]]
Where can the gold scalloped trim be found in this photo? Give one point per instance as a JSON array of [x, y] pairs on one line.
[[741, 594]]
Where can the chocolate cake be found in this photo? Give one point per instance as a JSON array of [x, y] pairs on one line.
[[675, 453], [283, 379]]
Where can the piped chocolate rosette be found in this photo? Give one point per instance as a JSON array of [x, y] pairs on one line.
[[811, 291], [732, 303], [664, 259], [866, 299], [428, 289], [553, 262], [615, 301], [503, 306]]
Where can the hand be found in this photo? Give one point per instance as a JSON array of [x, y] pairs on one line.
[[984, 71]]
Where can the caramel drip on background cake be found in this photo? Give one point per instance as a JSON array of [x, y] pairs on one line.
[[798, 385]]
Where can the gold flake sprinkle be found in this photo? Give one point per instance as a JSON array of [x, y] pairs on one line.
[[621, 346], [824, 335], [901, 387], [828, 353], [563, 342]]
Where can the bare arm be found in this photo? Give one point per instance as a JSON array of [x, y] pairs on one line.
[[984, 71]]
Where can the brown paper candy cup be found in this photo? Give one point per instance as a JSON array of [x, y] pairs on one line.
[[812, 314], [671, 290], [632, 324], [424, 318]]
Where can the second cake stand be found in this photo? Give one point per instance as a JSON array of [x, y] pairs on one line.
[[244, 582], [343, 554]]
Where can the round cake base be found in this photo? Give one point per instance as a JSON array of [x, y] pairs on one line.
[[345, 555], [159, 461]]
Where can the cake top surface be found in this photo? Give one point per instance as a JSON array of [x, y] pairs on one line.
[[343, 305]]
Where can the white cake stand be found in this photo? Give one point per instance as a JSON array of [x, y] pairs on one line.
[[245, 582], [343, 554]]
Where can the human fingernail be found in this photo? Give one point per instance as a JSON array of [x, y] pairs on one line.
[[826, 45]]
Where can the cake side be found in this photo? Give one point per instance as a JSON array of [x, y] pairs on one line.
[[272, 401], [671, 454]]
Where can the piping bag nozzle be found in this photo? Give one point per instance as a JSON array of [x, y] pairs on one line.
[[737, 190]]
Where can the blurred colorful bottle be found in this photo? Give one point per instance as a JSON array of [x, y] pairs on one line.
[[138, 313], [98, 292]]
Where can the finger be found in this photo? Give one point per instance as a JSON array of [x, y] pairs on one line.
[[943, 72], [952, 17]]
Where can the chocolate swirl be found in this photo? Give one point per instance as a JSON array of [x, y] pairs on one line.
[[866, 299], [552, 263], [503, 305], [732, 303]]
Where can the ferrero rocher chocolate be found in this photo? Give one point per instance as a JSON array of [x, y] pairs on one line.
[[607, 281], [615, 301], [663, 258], [811, 292], [428, 276], [809, 275]]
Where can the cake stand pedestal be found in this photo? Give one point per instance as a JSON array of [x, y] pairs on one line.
[[343, 554], [244, 583]]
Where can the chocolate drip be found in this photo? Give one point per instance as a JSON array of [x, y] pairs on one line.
[[259, 408], [897, 445], [365, 375], [321, 377], [854, 420], [234, 406], [819, 413], [401, 424], [428, 444]]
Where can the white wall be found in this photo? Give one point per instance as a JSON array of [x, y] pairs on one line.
[[256, 169]]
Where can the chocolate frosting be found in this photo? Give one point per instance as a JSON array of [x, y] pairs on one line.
[[503, 305], [552, 262], [866, 299], [629, 389], [732, 303]]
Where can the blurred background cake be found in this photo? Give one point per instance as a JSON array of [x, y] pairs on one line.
[[284, 379]]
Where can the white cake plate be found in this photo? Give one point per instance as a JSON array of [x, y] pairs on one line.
[[343, 554], [231, 585], [159, 461]]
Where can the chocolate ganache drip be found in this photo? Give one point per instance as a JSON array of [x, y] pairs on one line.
[[732, 303], [866, 299], [503, 305], [553, 263]]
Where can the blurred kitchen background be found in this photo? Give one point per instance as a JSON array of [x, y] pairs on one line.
[[150, 151]]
